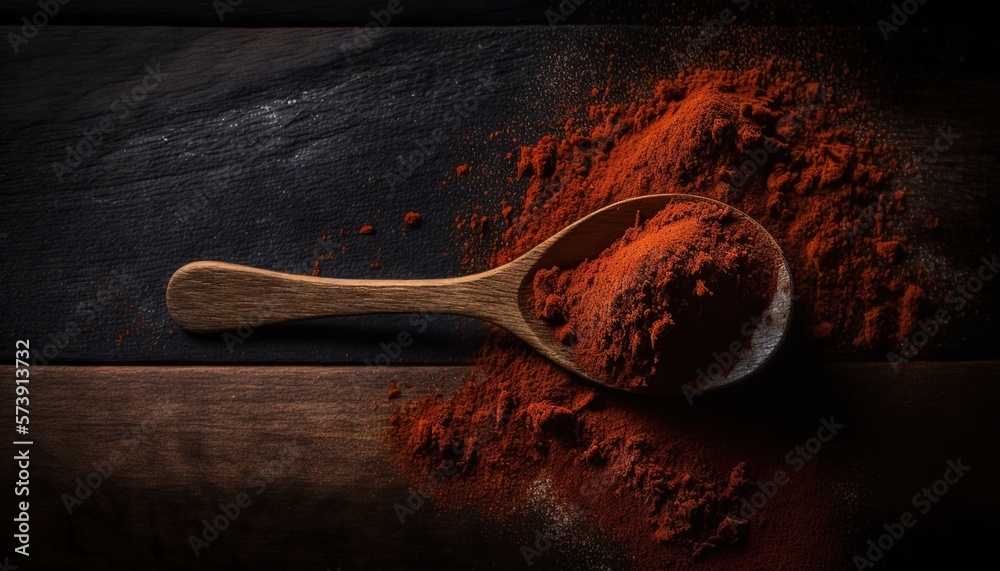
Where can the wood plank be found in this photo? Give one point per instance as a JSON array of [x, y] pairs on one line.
[[220, 427], [204, 432], [257, 142]]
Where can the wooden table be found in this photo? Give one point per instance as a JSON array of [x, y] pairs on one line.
[[250, 144]]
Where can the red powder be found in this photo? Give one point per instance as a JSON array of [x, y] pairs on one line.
[[659, 480], [367, 229], [654, 307], [411, 219], [703, 134], [393, 392], [461, 169]]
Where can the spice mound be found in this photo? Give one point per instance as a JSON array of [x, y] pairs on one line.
[[672, 485], [652, 309], [799, 157]]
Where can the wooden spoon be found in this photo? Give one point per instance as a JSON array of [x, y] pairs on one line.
[[210, 297]]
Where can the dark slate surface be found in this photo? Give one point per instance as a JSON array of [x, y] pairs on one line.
[[255, 142], [268, 13]]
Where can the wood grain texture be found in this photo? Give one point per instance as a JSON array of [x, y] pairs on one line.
[[258, 144], [192, 437]]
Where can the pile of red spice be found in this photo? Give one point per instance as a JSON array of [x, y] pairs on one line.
[[651, 309], [660, 483], [774, 143]]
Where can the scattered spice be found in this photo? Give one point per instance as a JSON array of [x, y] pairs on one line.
[[411, 220], [461, 169], [367, 229], [661, 482], [637, 315], [393, 391]]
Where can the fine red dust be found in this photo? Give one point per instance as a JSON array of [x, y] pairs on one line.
[[652, 308], [657, 477]]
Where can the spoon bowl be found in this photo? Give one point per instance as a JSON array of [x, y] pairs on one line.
[[210, 297]]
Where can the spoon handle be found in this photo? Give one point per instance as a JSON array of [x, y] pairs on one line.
[[208, 297]]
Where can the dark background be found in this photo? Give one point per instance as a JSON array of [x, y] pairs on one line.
[[260, 141], [264, 135]]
